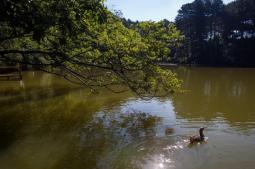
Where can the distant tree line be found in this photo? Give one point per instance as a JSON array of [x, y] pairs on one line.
[[205, 32], [217, 34]]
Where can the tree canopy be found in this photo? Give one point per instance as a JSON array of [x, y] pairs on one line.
[[85, 43], [163, 36], [218, 34]]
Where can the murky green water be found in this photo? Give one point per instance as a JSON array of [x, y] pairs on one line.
[[47, 123]]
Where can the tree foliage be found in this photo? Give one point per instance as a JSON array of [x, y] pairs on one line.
[[86, 44], [163, 37], [218, 34]]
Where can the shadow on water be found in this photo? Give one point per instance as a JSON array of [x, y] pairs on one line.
[[47, 123], [103, 139], [46, 107], [68, 127], [10, 128], [35, 95]]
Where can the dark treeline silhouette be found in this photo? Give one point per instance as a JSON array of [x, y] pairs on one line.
[[217, 34]]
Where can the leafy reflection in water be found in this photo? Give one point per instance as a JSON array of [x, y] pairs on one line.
[[50, 124], [39, 123], [107, 135], [46, 123]]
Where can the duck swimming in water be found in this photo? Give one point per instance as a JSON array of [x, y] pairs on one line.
[[200, 138]]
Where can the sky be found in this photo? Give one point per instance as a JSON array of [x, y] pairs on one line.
[[143, 10]]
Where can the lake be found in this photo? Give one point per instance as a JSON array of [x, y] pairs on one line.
[[48, 123]]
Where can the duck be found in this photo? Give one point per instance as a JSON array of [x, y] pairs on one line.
[[198, 138]]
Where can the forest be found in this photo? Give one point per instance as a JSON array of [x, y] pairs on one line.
[[218, 34], [214, 34]]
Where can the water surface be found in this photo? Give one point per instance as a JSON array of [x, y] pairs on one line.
[[48, 123]]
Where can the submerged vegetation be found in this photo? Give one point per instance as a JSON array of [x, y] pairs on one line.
[[85, 43]]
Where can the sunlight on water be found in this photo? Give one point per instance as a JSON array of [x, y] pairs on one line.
[[178, 145], [47, 123], [159, 162]]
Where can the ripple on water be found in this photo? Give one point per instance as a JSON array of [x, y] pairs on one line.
[[155, 153]]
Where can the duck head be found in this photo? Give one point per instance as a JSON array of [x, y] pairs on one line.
[[201, 132]]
